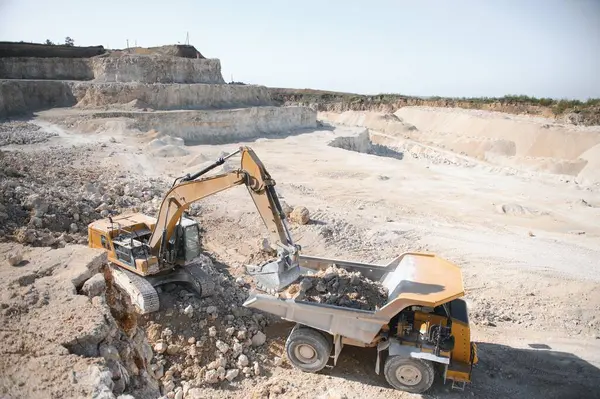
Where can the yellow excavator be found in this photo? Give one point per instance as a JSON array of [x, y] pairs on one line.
[[145, 252]]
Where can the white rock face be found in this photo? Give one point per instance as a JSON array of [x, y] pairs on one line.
[[154, 69]]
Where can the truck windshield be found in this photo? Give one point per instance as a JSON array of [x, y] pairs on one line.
[[192, 242]]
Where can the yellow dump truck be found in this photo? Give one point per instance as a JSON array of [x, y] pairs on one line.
[[422, 326]]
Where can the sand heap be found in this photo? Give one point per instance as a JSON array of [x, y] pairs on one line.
[[337, 286]]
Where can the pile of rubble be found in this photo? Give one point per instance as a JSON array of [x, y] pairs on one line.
[[46, 200], [204, 342], [19, 133], [337, 286]]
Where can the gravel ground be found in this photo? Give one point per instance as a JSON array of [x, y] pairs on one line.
[[18, 132]]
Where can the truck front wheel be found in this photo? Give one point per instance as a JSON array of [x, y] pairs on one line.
[[308, 349], [408, 374]]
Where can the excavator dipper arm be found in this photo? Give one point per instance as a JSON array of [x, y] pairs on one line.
[[261, 189], [260, 185]]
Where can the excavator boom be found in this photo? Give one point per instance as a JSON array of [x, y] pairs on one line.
[[260, 185]]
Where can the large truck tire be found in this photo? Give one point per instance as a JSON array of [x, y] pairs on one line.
[[409, 374], [307, 349]]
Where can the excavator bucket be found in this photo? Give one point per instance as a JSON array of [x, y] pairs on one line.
[[275, 275]]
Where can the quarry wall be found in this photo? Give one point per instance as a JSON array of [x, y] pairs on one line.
[[166, 96], [227, 125], [22, 96], [156, 69], [46, 68], [19, 97], [124, 68]]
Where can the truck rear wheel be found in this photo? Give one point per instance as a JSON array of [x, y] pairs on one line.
[[308, 349], [409, 374]]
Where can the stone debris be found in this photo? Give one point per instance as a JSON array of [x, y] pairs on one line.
[[45, 200], [258, 339], [212, 311], [300, 215], [94, 286], [167, 147], [243, 361], [189, 310], [158, 370], [222, 347], [213, 350], [256, 368], [20, 133], [232, 374], [160, 347], [15, 258], [337, 286], [173, 349]]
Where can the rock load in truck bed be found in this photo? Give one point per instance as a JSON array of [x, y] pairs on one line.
[[337, 286]]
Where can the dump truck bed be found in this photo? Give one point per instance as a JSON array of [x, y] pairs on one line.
[[411, 279]]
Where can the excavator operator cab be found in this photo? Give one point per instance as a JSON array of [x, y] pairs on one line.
[[185, 244]]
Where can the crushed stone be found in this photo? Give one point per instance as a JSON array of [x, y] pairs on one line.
[[222, 344], [47, 199], [21, 133], [339, 287]]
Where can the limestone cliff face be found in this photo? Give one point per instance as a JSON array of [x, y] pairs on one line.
[[156, 69], [125, 68], [22, 96]]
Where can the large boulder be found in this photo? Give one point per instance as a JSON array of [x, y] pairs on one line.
[[300, 215]]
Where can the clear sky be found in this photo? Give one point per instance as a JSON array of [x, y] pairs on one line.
[[542, 48]]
